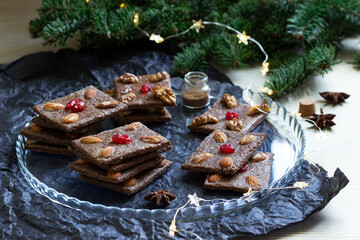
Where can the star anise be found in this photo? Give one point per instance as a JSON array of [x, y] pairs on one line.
[[322, 120], [334, 97], [160, 197]]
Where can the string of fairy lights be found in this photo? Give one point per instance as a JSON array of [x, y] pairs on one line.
[[197, 25]]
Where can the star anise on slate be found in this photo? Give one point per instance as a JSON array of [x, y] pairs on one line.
[[160, 197], [322, 120], [334, 97]]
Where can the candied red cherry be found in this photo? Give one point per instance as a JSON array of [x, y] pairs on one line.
[[76, 105], [227, 148], [231, 115], [244, 168], [121, 139], [146, 87]]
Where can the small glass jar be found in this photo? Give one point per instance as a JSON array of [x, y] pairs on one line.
[[195, 90]]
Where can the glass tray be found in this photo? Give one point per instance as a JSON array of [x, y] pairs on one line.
[[49, 176]]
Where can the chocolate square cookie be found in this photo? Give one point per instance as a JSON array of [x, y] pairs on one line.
[[219, 111], [100, 148], [133, 161], [256, 177], [96, 106], [92, 171], [95, 127], [46, 135], [142, 115], [133, 185], [224, 152], [34, 145], [130, 89], [52, 136]]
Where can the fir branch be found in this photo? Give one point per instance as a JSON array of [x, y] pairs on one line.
[[307, 24], [59, 30], [289, 76], [101, 21], [191, 59], [321, 59], [344, 18], [228, 53], [281, 56]]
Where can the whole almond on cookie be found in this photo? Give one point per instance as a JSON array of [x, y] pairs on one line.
[[133, 126], [220, 137], [161, 164], [131, 182], [50, 107], [31, 141], [252, 180], [113, 175], [226, 162], [70, 118], [201, 158], [247, 139], [110, 93], [106, 152], [258, 157], [107, 104], [90, 140], [36, 128], [151, 139], [80, 162], [90, 93], [214, 178]]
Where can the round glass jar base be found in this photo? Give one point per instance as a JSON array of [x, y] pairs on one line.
[[196, 107]]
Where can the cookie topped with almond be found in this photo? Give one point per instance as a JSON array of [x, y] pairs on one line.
[[224, 152], [79, 109], [229, 114], [255, 175], [115, 145]]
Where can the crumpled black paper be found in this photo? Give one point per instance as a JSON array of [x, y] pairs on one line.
[[27, 215]]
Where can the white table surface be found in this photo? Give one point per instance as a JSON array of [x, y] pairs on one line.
[[340, 219]]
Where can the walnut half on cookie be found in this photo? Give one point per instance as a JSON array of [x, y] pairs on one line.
[[204, 119]]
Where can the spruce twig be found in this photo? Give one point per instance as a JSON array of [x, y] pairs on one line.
[[289, 76], [191, 59]]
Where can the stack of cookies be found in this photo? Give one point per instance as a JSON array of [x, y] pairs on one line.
[[146, 97], [228, 114], [232, 161], [124, 159], [61, 120], [229, 154]]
